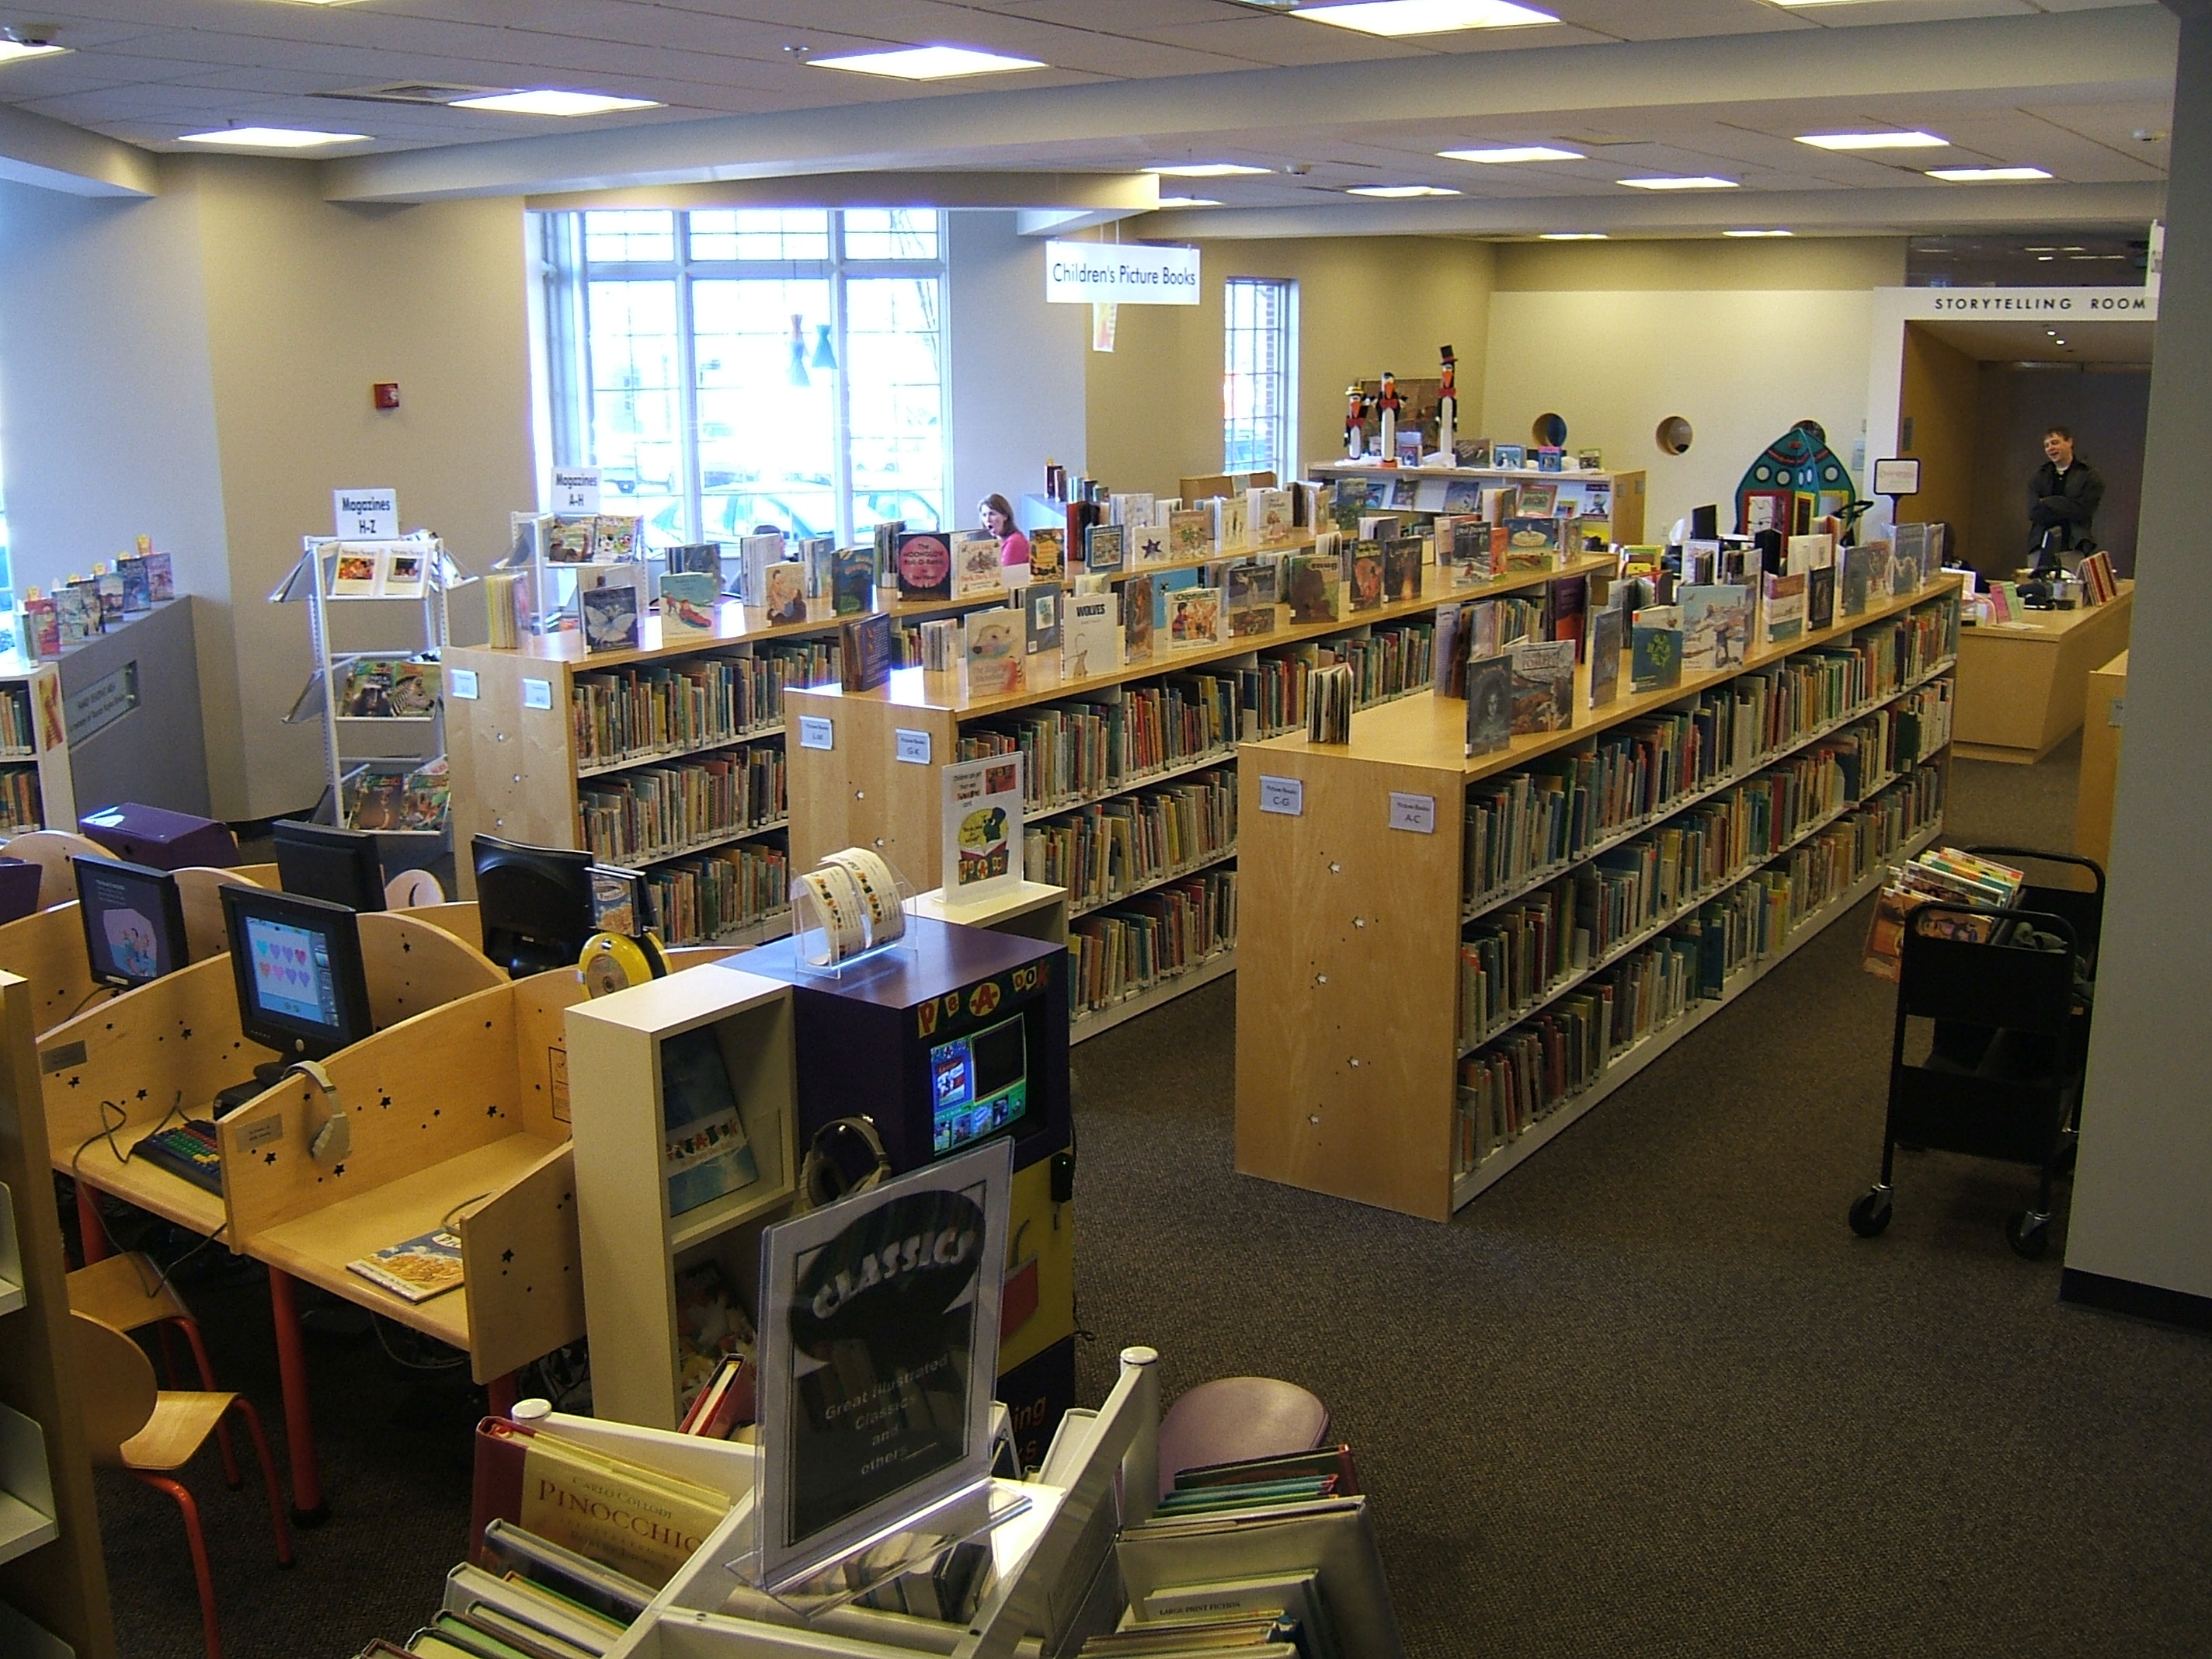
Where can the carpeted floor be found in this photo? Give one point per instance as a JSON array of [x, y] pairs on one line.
[[1648, 1395]]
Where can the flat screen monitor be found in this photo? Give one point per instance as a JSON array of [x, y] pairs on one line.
[[134, 921], [339, 866], [535, 904], [296, 964], [979, 1087]]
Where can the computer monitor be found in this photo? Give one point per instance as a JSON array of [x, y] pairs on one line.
[[979, 1087], [534, 902], [134, 921], [339, 866], [296, 964]]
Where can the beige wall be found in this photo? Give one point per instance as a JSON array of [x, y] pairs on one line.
[[1364, 305], [1941, 396]]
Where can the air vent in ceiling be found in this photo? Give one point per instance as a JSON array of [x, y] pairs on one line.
[[410, 92]]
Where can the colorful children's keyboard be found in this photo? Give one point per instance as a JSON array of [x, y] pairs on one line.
[[187, 1149]]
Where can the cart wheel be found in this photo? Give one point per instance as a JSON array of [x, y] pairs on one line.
[[1870, 1215], [2029, 1235]]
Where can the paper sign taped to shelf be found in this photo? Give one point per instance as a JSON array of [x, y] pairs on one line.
[[1115, 273], [575, 490], [365, 515], [461, 683], [913, 746], [1416, 813], [1285, 795], [537, 694], [814, 731]]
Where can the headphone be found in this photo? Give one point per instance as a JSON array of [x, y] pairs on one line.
[[825, 1176], [335, 1138]]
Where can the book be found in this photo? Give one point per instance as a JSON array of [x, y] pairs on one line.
[[1267, 514], [570, 540], [1821, 598], [1463, 495], [1105, 547], [1531, 543], [754, 555], [1655, 656], [1188, 537], [1785, 607], [2098, 582], [1137, 619], [690, 603], [783, 591], [137, 593], [865, 651], [1040, 604], [1313, 579], [353, 576], [609, 615], [1250, 601], [617, 538], [1568, 600], [1131, 507], [417, 1268], [586, 1502], [853, 582], [1349, 500], [1367, 576], [110, 585], [1489, 704], [1048, 555], [976, 567], [1147, 545], [1716, 626], [1550, 458], [705, 1152], [1538, 501], [940, 645], [404, 575], [728, 1400], [884, 549], [1329, 693], [1853, 590], [819, 555], [1402, 568], [1471, 452], [1543, 686], [161, 577], [1193, 617], [995, 655], [42, 629], [1478, 550], [1508, 457], [1090, 643], [925, 566], [1226, 524], [1606, 630], [389, 688]]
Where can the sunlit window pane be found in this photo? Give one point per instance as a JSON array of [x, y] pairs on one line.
[[891, 234], [613, 237], [894, 334], [637, 405], [788, 233], [768, 421]]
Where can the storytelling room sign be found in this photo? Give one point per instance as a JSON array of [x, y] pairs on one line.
[[1120, 274]]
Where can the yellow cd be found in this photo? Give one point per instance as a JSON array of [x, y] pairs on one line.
[[611, 962]]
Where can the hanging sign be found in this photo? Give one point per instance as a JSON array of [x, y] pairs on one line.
[[1120, 273], [575, 490]]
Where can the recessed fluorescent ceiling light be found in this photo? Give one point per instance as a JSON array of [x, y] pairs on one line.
[[552, 100], [272, 137], [1758, 233], [14, 52], [1984, 175], [1874, 141], [1572, 236], [1513, 153], [928, 62], [1396, 191], [1203, 170], [1186, 201], [1425, 16], [1699, 183]]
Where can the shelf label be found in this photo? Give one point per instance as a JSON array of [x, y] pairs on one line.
[[365, 515], [461, 683], [913, 746], [814, 731], [1415, 813], [537, 694], [269, 1130], [1285, 795], [96, 707], [575, 490]]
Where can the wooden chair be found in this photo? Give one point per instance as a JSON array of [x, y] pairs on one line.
[[200, 888], [51, 851], [130, 1292], [131, 1424]]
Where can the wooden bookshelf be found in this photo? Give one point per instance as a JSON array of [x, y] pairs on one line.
[[34, 755], [1430, 482], [877, 785], [1349, 1033]]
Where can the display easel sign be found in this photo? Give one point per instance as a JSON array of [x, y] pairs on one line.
[[879, 1346], [982, 804]]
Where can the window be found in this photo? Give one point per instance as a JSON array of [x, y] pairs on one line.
[[744, 367], [1260, 377]]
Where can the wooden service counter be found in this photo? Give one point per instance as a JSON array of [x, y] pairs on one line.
[[2021, 684]]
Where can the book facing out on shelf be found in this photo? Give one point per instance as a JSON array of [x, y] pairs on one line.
[[1532, 543], [1655, 657], [415, 1268], [610, 616], [1147, 545], [1137, 619], [1193, 617], [1568, 600], [1250, 598], [783, 591], [1543, 686], [1048, 555], [853, 582], [1040, 604], [1402, 568], [582, 1500], [1368, 576], [1606, 628], [1716, 625], [689, 602], [977, 566], [1091, 638], [1489, 704], [1314, 579], [866, 651], [925, 566], [995, 655], [705, 1152], [819, 555], [1821, 598], [1105, 547], [1188, 537]]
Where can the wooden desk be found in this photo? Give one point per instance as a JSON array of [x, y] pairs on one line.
[[2020, 685], [2100, 760]]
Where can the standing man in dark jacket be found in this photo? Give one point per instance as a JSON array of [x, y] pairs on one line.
[[2062, 498]]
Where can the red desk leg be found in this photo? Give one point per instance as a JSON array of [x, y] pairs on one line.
[[500, 1395], [91, 1234], [308, 1508]]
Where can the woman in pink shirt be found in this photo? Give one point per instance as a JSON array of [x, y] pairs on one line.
[[999, 520]]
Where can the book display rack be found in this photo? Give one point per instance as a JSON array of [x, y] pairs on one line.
[[36, 789], [1466, 954], [1430, 489], [1130, 775]]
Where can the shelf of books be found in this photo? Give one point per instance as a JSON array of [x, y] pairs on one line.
[[1608, 505], [1129, 707], [1463, 953], [36, 790]]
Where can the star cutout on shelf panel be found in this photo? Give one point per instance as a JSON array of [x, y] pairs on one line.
[[73, 1081], [188, 1031], [385, 1100], [507, 1255], [141, 1094], [339, 1170], [268, 1157]]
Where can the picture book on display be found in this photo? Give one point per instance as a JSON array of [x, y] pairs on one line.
[[1531, 545], [1349, 500], [1543, 686], [1048, 555], [1463, 495], [1785, 608], [975, 569], [1313, 579], [1186, 534], [1193, 617], [1477, 549], [1137, 601], [688, 602], [1040, 604], [570, 540], [995, 654], [1654, 657], [865, 651], [853, 582], [1489, 704], [705, 1152], [2098, 582], [1568, 600], [1852, 586], [1471, 452], [1367, 576], [783, 591], [610, 616], [925, 566], [1606, 628], [1251, 600], [754, 555], [1402, 568], [1105, 547], [617, 538], [819, 555], [1090, 641], [1716, 626], [1147, 545], [1821, 598], [1226, 524], [1538, 501], [1268, 513], [389, 688], [416, 1268], [1509, 456]]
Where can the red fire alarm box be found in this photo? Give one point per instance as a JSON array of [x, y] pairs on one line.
[[386, 393]]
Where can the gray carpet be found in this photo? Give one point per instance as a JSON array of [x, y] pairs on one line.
[[1648, 1395]]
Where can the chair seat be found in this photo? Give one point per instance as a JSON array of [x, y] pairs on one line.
[[179, 1426], [1235, 1418], [115, 1291]]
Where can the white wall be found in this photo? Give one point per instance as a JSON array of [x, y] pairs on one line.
[[1741, 366], [1018, 365]]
